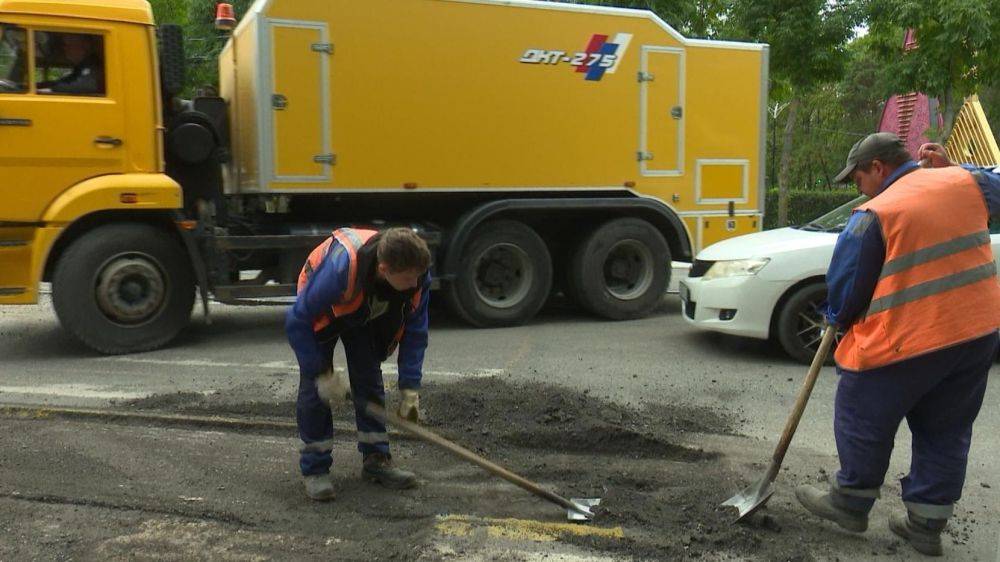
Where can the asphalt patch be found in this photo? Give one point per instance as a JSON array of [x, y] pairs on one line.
[[664, 492]]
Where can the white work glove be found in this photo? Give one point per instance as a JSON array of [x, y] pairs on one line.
[[409, 405], [333, 385]]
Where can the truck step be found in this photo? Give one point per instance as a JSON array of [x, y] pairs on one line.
[[238, 292], [269, 242]]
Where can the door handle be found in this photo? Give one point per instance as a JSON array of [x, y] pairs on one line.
[[14, 122], [108, 142]]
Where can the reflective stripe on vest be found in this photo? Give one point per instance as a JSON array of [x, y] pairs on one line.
[[349, 240], [938, 285], [934, 287]]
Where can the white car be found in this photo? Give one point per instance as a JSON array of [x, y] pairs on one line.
[[771, 284]]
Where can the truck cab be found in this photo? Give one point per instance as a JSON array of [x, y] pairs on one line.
[[81, 129]]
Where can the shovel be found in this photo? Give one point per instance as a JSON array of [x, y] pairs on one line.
[[756, 495], [577, 509]]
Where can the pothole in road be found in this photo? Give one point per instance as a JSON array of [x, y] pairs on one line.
[[576, 444], [491, 414]]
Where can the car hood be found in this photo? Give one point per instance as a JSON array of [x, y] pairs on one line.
[[770, 244]]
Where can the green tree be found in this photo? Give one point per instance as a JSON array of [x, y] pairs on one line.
[[692, 18], [958, 51], [989, 96], [808, 40], [833, 116], [203, 42], [170, 11]]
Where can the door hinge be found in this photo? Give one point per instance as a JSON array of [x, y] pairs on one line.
[[279, 101], [646, 76], [644, 156], [330, 159], [322, 48], [677, 112]]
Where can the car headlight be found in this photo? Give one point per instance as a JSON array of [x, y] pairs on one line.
[[734, 268]]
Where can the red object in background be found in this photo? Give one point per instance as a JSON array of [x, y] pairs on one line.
[[225, 17], [910, 115]]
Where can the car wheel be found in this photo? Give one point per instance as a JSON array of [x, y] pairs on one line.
[[800, 323], [504, 275], [124, 288], [621, 270]]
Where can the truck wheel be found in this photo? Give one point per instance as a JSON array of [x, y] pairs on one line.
[[124, 288], [621, 270], [800, 323], [504, 275]]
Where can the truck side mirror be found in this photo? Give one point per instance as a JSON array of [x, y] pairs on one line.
[[170, 40]]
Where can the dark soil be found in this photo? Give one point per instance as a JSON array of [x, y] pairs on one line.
[[494, 413], [662, 491]]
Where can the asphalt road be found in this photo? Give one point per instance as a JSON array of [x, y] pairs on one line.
[[242, 355]]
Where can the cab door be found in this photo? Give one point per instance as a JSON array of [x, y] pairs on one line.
[[61, 113]]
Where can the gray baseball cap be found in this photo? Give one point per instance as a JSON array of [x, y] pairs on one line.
[[872, 147]]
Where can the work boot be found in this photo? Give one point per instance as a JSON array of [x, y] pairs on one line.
[[319, 487], [923, 534], [823, 504], [378, 468]]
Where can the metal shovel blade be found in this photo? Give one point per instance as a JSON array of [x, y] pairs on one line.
[[582, 511], [752, 498]]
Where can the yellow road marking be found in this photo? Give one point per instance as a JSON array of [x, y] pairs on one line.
[[521, 529]]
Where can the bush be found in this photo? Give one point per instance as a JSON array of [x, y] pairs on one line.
[[804, 206]]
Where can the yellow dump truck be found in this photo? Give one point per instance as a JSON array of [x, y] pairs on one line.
[[540, 147]]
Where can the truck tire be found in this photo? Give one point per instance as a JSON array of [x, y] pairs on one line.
[[621, 270], [124, 288], [504, 276], [800, 321]]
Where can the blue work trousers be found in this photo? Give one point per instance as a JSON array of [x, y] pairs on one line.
[[313, 413], [939, 394]]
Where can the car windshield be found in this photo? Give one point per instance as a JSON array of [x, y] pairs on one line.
[[835, 220]]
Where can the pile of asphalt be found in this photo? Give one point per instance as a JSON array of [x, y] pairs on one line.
[[655, 482]]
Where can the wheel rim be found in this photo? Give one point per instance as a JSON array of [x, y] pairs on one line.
[[809, 325], [131, 289], [628, 269], [504, 274]]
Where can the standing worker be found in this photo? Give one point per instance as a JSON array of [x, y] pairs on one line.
[[369, 289], [914, 285]]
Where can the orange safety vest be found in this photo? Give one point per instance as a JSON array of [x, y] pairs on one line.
[[351, 240], [938, 286]]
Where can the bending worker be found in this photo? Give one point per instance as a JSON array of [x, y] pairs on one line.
[[369, 289], [914, 283]]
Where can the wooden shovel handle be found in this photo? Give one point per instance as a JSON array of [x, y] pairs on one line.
[[458, 450], [800, 403]]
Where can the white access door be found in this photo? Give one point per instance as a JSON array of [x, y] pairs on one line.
[[297, 148], [661, 151]]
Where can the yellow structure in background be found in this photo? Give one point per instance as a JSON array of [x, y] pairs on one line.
[[488, 95], [971, 139]]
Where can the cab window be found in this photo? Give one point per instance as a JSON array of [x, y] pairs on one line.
[[13, 59], [69, 63]]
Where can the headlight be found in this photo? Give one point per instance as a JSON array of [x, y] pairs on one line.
[[734, 268]]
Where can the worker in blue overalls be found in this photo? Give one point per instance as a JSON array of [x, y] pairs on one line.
[[370, 290], [913, 283]]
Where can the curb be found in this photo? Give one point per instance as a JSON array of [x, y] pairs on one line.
[[16, 411]]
